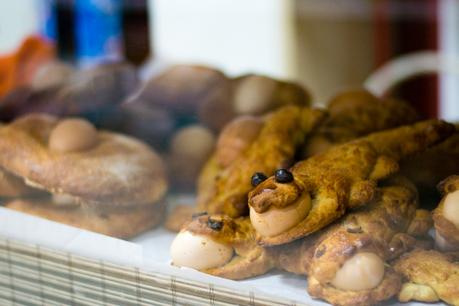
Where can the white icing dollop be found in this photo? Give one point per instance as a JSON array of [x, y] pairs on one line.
[[199, 252], [363, 271], [451, 207], [275, 221]]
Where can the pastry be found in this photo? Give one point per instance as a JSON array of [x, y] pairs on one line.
[[93, 94], [234, 139], [70, 157], [347, 262], [354, 114], [275, 146], [12, 186], [446, 215], [120, 222], [437, 162], [258, 94], [221, 246], [190, 148], [429, 276], [190, 91], [319, 190]]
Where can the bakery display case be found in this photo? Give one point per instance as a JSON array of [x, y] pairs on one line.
[[274, 152]]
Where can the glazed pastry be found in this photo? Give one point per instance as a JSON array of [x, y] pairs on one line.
[[357, 113], [93, 94], [429, 276], [121, 222], [70, 157], [187, 91], [319, 190], [235, 139], [437, 163], [258, 94], [346, 263], [221, 246], [275, 146], [446, 215]]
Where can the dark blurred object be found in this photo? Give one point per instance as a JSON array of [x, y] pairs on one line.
[[140, 119], [136, 31], [94, 94], [403, 27], [428, 169]]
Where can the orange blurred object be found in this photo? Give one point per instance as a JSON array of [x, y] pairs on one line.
[[18, 68]]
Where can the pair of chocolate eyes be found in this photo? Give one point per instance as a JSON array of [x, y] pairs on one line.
[[281, 176]]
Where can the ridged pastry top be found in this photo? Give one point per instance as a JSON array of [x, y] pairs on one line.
[[116, 170]]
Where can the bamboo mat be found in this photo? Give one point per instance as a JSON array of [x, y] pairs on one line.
[[33, 275]]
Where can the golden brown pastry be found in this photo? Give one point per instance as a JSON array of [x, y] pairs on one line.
[[235, 138], [69, 157], [324, 186], [356, 113], [429, 276], [430, 167], [275, 146], [121, 222], [221, 246], [346, 263], [446, 215]]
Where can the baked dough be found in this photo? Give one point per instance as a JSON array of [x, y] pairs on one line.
[[283, 132], [443, 225], [432, 166], [344, 177], [429, 276], [117, 171], [356, 113], [12, 186], [125, 222], [249, 259], [381, 228]]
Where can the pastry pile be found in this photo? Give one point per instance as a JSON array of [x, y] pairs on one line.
[[329, 194]]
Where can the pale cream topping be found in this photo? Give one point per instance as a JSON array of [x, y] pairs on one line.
[[451, 207], [73, 135], [444, 245], [275, 221], [254, 95], [363, 271], [199, 252]]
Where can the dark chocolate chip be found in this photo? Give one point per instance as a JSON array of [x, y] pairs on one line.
[[283, 176], [258, 178], [216, 225]]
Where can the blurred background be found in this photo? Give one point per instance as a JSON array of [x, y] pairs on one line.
[[325, 45]]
